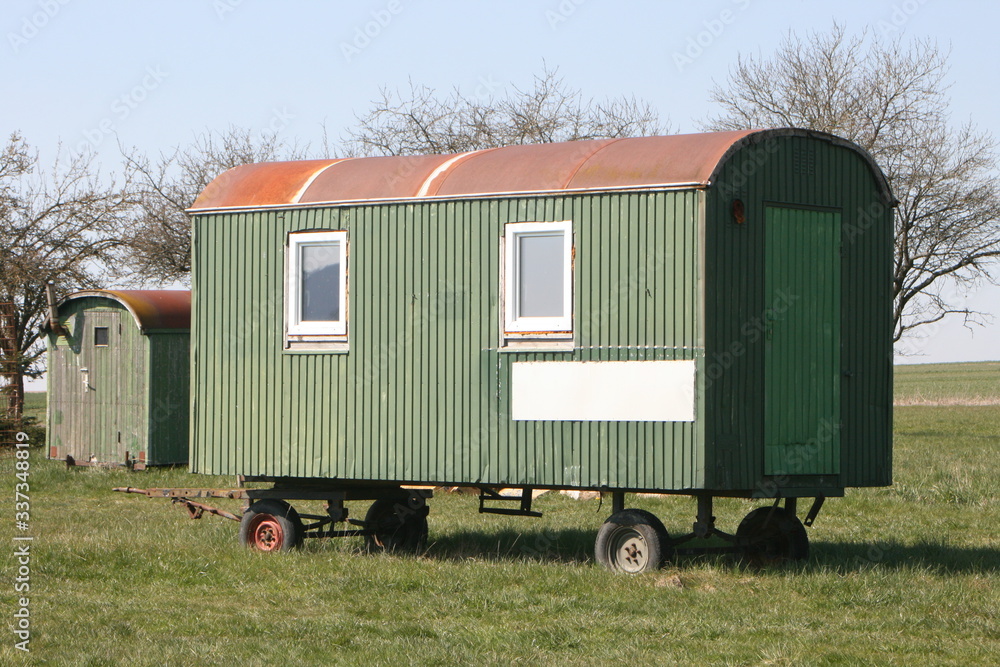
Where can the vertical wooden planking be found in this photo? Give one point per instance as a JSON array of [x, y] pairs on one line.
[[167, 412], [135, 402], [834, 178], [397, 341], [423, 394], [474, 296], [449, 344], [410, 380]]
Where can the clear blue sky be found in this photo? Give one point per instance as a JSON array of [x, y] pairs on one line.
[[152, 74]]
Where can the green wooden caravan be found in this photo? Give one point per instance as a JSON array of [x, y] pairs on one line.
[[703, 314], [118, 378]]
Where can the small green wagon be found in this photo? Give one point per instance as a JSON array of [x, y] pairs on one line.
[[118, 378]]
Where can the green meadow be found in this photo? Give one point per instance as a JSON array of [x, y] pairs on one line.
[[904, 575]]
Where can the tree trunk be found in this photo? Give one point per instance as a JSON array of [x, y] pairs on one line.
[[15, 397], [12, 386]]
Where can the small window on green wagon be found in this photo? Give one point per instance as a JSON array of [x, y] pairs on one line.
[[101, 337], [316, 304], [538, 285]]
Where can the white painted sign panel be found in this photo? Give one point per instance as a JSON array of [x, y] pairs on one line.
[[603, 391]]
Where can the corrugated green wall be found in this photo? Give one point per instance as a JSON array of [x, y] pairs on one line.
[[423, 393], [169, 399], [802, 341], [804, 173]]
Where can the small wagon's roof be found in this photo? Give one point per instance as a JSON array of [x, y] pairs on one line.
[[682, 160], [152, 309]]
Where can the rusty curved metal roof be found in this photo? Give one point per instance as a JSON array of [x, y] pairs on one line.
[[683, 160], [152, 309]]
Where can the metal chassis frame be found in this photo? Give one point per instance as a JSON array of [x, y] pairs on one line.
[[335, 496]]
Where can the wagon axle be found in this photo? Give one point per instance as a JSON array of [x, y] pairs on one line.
[[630, 540], [633, 540]]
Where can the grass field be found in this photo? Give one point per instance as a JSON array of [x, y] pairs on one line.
[[34, 405], [905, 575], [948, 384]]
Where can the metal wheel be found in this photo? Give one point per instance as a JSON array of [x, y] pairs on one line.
[[771, 536], [397, 525], [632, 541], [271, 525]]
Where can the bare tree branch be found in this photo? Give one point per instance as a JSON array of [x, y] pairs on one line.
[[158, 247], [891, 99], [421, 121], [61, 225]]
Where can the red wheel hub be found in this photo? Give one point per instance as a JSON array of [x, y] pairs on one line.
[[267, 533]]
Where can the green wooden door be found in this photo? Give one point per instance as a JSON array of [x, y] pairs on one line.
[[101, 357], [802, 345]]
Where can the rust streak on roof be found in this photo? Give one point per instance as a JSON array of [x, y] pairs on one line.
[[689, 160], [152, 309], [260, 184], [645, 161], [527, 168], [373, 178]]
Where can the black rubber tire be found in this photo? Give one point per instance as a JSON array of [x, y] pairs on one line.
[[397, 525], [271, 525], [633, 542], [772, 536]]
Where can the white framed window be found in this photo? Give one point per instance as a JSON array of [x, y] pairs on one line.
[[317, 285], [538, 278]]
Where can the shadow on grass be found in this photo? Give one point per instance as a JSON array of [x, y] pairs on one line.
[[563, 546], [932, 556], [576, 546]]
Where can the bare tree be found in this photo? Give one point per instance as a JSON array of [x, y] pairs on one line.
[[423, 121], [159, 245], [62, 225], [891, 99]]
